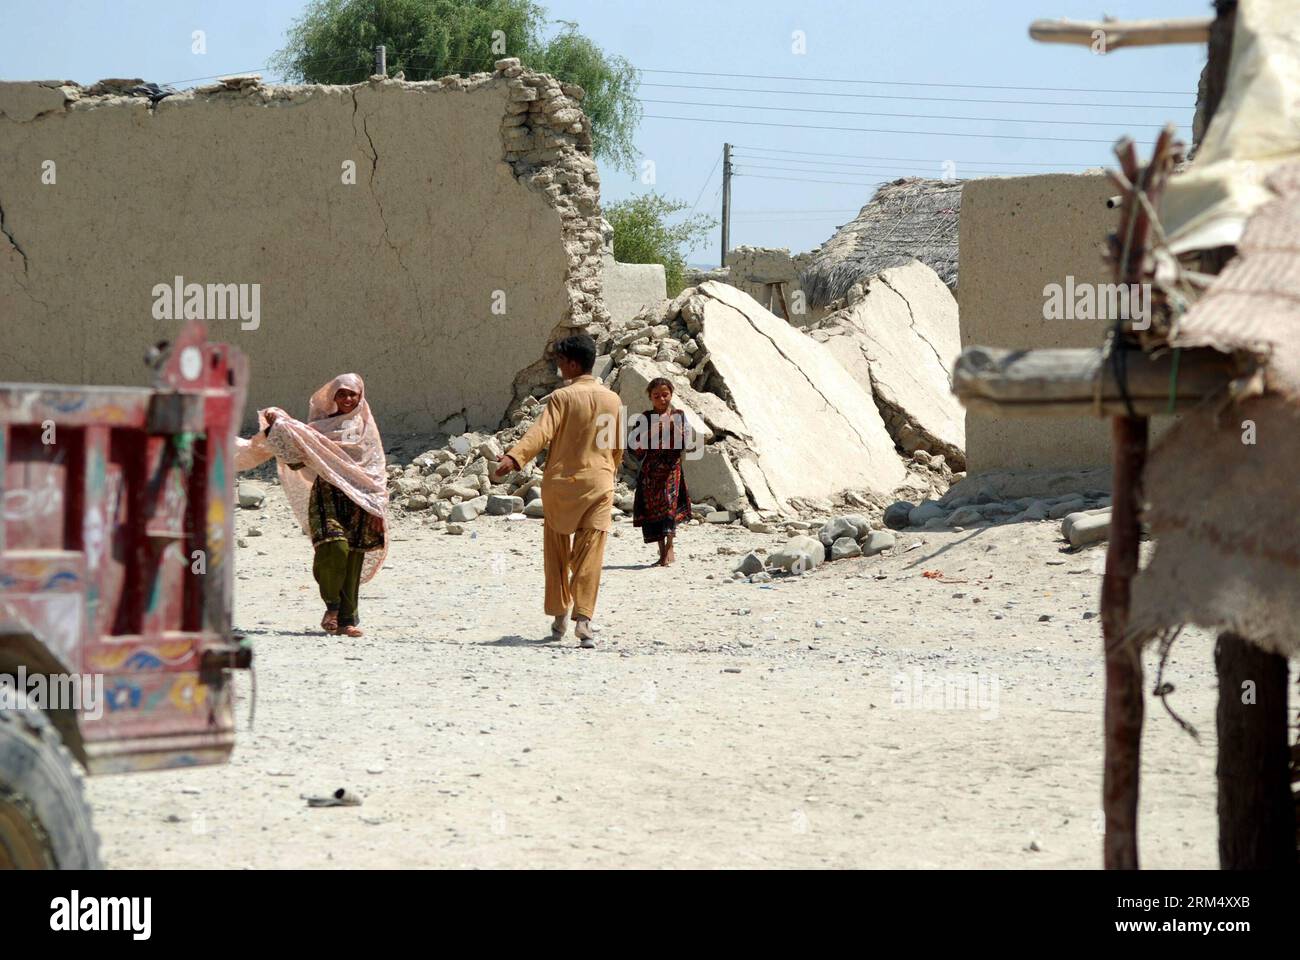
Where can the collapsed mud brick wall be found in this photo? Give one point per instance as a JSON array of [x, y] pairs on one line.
[[430, 236]]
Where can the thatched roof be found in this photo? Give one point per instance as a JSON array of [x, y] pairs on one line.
[[909, 219]]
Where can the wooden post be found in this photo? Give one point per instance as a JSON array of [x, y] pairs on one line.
[[726, 202], [1124, 709], [1255, 807], [1256, 810]]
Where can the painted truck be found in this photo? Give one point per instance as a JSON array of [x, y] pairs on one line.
[[116, 647]]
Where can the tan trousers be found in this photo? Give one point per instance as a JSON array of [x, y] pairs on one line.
[[573, 570]]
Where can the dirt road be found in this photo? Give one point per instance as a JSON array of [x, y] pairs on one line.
[[802, 723]]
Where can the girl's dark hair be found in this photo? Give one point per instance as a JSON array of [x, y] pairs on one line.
[[579, 347], [660, 382]]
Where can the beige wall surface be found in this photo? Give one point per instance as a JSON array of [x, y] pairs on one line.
[[752, 268], [627, 287], [394, 277], [1019, 234]]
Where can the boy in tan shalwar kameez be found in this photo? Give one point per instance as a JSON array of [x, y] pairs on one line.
[[582, 428]]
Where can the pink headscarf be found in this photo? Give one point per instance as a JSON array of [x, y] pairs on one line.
[[345, 450]]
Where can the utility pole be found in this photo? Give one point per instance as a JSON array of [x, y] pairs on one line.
[[381, 61], [726, 202]]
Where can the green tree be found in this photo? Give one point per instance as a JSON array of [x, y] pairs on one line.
[[611, 86], [334, 42], [642, 234]]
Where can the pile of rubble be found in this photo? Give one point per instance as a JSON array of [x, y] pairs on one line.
[[784, 430]]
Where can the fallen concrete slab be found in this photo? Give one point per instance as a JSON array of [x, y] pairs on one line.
[[815, 431], [899, 341]]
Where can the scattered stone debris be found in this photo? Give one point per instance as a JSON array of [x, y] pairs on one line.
[[724, 352]]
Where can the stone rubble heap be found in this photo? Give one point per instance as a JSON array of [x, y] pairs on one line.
[[452, 484]]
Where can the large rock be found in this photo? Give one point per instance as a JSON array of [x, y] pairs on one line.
[[815, 430], [926, 511], [836, 529], [498, 506], [712, 477], [877, 541], [845, 547], [897, 514], [900, 341], [1089, 528], [798, 555], [463, 512], [462, 490], [251, 494]]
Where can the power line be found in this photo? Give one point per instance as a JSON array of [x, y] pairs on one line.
[[919, 133], [854, 156], [904, 116], [807, 210], [899, 96], [705, 185], [849, 173], [847, 183], [869, 166], [914, 83]]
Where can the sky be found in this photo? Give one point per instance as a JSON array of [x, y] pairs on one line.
[[767, 76]]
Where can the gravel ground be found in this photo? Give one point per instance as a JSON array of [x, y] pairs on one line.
[[718, 724]]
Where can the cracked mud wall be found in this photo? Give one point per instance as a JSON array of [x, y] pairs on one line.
[[470, 236]]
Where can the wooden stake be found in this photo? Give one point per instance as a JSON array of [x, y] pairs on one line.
[[1103, 36], [1124, 709]]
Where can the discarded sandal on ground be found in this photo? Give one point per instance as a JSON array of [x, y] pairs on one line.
[[339, 798]]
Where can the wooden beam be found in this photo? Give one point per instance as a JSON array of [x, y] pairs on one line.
[[1066, 382], [1103, 36]]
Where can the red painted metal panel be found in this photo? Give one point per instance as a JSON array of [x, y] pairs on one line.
[[115, 549]]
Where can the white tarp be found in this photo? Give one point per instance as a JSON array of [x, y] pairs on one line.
[[1255, 130]]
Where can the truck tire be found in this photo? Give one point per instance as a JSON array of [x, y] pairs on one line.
[[44, 820]]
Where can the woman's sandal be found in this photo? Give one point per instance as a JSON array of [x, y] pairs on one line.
[[351, 631], [330, 622]]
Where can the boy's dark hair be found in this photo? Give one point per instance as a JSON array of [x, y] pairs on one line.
[[580, 348], [660, 382]]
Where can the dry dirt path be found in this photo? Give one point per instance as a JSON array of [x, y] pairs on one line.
[[718, 724]]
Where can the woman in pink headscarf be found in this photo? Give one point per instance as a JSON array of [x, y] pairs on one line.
[[332, 471]]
